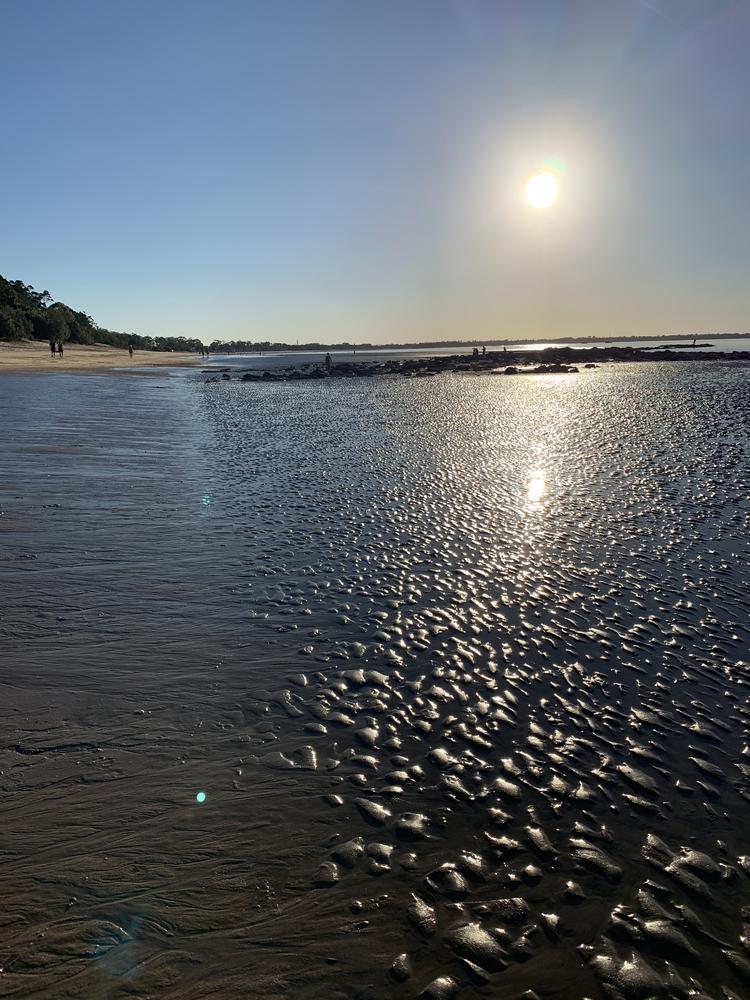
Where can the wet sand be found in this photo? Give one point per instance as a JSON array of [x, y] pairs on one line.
[[34, 356], [460, 665]]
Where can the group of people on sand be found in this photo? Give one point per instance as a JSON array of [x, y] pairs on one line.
[[56, 349], [205, 353]]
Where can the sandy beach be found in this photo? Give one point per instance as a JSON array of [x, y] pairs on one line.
[[34, 356]]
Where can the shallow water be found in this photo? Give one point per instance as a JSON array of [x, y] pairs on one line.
[[270, 360], [428, 646]]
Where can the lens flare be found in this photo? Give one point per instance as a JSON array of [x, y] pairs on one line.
[[557, 165], [200, 797]]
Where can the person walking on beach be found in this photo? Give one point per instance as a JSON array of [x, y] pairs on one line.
[[52, 348], [329, 363], [60, 348], [130, 350]]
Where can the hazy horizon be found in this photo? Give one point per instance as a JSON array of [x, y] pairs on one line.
[[335, 172]]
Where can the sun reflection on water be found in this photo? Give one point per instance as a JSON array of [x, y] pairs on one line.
[[537, 487]]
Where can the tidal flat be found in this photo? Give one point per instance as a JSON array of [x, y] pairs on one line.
[[459, 666]]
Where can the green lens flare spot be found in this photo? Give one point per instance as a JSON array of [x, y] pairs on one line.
[[557, 165]]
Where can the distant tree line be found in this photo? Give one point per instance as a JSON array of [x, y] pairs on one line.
[[26, 314], [255, 346], [264, 346]]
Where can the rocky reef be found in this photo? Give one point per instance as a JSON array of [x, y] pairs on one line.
[[559, 360]]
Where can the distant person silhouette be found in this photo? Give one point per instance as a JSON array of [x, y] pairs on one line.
[[60, 348], [52, 348], [130, 350], [484, 350], [329, 363]]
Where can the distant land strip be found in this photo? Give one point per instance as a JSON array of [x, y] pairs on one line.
[[26, 314]]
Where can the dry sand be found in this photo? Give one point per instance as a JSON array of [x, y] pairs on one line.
[[34, 356]]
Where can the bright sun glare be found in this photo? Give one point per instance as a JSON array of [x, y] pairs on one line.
[[537, 487], [541, 190]]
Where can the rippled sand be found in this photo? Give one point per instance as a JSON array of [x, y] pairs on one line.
[[460, 665]]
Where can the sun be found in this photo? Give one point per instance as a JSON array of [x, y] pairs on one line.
[[542, 190]]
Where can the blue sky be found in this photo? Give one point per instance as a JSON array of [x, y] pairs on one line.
[[354, 170]]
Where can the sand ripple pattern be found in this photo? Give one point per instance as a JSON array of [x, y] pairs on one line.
[[483, 652]]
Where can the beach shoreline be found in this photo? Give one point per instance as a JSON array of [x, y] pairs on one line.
[[33, 357]]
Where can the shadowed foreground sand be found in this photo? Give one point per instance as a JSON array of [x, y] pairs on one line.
[[459, 664], [34, 356]]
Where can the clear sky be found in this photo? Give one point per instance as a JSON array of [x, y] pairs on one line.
[[350, 170]]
